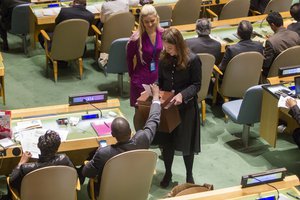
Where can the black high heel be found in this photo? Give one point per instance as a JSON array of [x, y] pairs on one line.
[[166, 181]]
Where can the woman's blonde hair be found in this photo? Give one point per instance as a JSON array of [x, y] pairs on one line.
[[174, 37], [145, 11]]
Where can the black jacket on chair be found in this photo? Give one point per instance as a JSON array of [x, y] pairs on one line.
[[20, 171]]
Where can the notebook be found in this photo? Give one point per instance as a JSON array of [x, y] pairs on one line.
[[102, 128]]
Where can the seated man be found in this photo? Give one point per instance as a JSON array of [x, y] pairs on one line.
[[245, 44], [120, 130], [6, 9], [48, 145], [295, 112], [295, 13], [203, 43], [259, 5], [280, 41], [76, 11]]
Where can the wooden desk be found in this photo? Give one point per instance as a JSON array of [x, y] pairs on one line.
[[220, 33], [235, 21], [238, 193], [270, 113], [38, 20], [82, 139]]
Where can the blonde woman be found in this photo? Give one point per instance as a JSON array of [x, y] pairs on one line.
[[145, 46]]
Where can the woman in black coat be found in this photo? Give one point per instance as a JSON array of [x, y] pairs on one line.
[[180, 72]]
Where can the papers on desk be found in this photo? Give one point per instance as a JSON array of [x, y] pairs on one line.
[[29, 139], [217, 38], [282, 100], [51, 11], [95, 9], [27, 125], [6, 142]]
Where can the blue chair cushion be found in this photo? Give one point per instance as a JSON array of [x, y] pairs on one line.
[[232, 109]]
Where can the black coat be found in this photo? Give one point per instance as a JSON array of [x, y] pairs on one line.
[[74, 12]]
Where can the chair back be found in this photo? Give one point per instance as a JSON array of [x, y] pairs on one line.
[[165, 14], [49, 183], [186, 12], [117, 63], [242, 72], [69, 39], [278, 6], [119, 25], [288, 57], [20, 19], [208, 62], [128, 176], [235, 9], [251, 106]]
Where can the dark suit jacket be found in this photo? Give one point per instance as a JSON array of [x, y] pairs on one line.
[[240, 47], [294, 27], [20, 171], [280, 41], [259, 5], [295, 112], [204, 44], [74, 12], [141, 140], [6, 8]]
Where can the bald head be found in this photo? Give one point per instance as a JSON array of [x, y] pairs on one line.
[[120, 129], [245, 30], [80, 2]]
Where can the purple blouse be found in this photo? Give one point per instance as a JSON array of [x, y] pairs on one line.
[[141, 73]]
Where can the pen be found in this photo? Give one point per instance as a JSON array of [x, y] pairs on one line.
[[292, 195], [106, 125]]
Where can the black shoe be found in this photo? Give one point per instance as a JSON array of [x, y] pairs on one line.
[[190, 179], [166, 181]]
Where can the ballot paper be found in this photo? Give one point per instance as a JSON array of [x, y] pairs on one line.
[[29, 139], [147, 89], [282, 102]]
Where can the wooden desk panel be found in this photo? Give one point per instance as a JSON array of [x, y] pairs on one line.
[[76, 147], [237, 192], [235, 21]]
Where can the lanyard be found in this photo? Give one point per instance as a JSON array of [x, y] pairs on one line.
[[155, 45]]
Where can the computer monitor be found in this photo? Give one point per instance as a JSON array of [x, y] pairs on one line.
[[297, 85]]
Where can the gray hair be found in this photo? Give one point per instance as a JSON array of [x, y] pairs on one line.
[[203, 27]]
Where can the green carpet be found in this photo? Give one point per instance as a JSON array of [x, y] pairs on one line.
[[223, 159]]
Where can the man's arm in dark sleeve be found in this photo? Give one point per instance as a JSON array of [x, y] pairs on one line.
[[94, 166], [295, 112], [269, 57]]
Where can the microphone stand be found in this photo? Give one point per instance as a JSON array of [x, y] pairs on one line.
[[86, 101]]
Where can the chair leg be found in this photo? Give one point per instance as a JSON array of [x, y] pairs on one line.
[[3, 90], [120, 80], [245, 134], [55, 70], [80, 63], [215, 90], [47, 66], [226, 99], [24, 38], [203, 110]]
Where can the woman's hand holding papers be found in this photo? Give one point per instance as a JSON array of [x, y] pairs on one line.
[[25, 158]]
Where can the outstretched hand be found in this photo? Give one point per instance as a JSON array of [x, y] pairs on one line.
[[155, 91], [290, 102], [25, 157], [177, 99]]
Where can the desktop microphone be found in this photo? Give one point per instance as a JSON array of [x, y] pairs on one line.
[[260, 25], [86, 101], [250, 176]]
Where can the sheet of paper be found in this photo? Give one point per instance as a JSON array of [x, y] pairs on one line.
[[6, 142], [282, 100], [30, 124], [147, 89], [92, 9]]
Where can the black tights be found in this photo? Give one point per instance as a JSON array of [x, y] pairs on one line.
[[168, 155]]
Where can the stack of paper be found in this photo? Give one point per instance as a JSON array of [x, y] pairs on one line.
[[27, 125]]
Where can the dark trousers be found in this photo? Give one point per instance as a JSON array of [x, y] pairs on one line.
[[296, 137]]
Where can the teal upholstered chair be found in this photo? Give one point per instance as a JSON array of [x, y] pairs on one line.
[[245, 111]]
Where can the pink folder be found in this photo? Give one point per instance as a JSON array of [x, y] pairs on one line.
[[102, 128]]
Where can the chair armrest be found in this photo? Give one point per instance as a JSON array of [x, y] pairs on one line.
[[45, 35], [14, 193], [78, 186], [92, 191], [211, 13], [96, 30], [218, 70], [255, 12]]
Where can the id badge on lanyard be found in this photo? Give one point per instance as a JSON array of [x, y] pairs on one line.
[[152, 64]]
